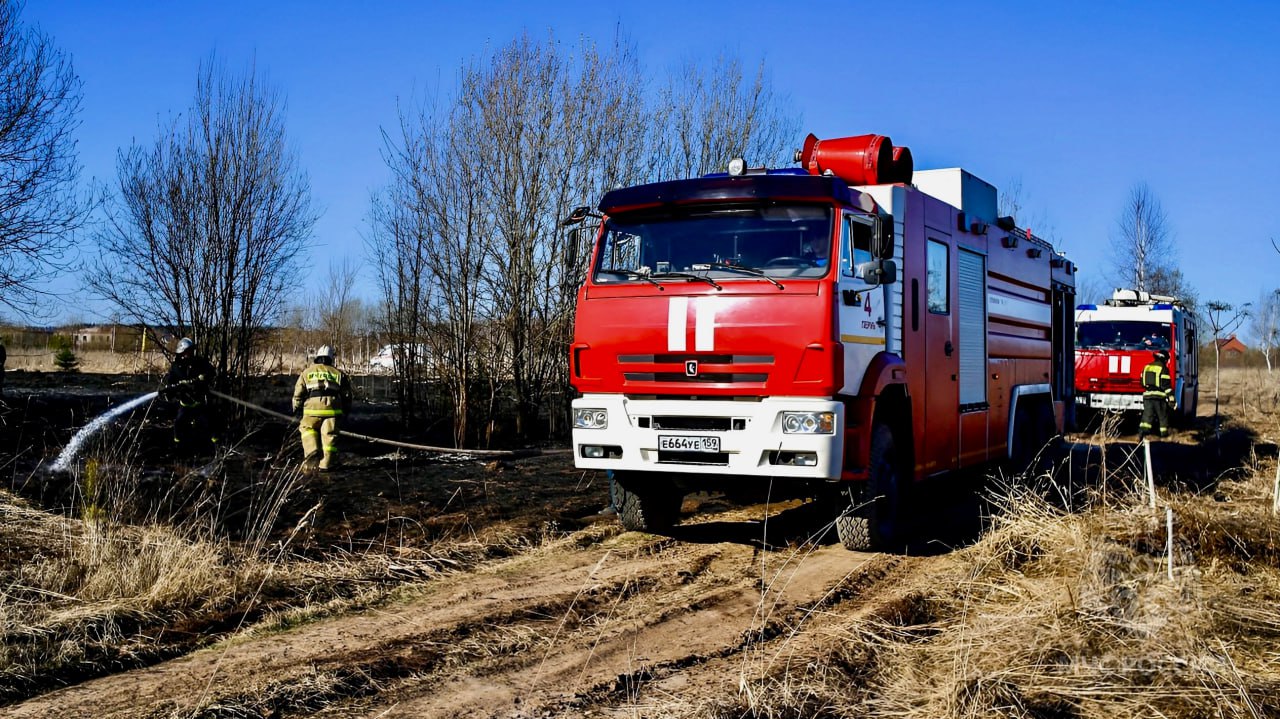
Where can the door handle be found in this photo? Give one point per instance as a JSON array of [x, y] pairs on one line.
[[948, 348]]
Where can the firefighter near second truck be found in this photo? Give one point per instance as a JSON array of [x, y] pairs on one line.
[[1157, 396]]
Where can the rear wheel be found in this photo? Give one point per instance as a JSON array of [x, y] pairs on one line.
[[645, 502], [873, 517]]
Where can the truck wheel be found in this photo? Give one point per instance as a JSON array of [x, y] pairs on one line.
[[852, 526], [872, 518], [645, 503]]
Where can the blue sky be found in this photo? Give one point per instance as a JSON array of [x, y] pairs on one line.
[[1076, 101]]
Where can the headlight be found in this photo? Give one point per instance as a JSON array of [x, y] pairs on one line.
[[590, 419], [808, 422]]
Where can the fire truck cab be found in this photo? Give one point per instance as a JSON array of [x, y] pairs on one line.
[[1116, 339], [843, 330]]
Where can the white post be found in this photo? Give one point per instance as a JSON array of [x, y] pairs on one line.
[[1151, 477], [1275, 492], [1168, 518]]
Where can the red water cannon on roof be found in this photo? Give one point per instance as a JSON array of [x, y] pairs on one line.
[[859, 160]]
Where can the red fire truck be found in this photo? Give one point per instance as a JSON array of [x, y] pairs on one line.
[[842, 330], [1116, 339]]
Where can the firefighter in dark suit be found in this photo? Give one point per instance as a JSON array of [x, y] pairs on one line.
[[188, 383], [1157, 396]]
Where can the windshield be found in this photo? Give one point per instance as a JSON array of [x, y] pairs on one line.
[[720, 242], [1123, 335]]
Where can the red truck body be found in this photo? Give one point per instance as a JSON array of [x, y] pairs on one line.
[[712, 349]]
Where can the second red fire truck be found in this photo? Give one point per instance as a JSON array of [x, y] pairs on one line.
[[1116, 339], [843, 329]]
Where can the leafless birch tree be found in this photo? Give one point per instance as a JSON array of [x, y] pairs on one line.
[[1264, 324], [40, 206], [1222, 319], [1143, 250], [208, 222]]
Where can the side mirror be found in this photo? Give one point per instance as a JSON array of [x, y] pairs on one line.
[[877, 272], [882, 238], [572, 239], [576, 216]]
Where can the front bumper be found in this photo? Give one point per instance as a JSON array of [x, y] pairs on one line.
[[748, 434], [1111, 401]]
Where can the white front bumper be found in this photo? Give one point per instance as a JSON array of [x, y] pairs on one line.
[[1104, 400], [749, 446]]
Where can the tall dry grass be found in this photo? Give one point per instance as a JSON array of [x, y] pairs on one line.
[[1059, 611], [138, 551]]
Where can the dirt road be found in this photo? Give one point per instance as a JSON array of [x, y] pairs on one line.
[[593, 623]]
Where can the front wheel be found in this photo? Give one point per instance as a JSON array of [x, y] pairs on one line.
[[873, 517], [645, 502]]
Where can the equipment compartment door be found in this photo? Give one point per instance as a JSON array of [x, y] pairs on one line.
[[972, 348], [942, 399]]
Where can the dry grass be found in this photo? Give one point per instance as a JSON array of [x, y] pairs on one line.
[[117, 582], [1063, 609], [1058, 613], [143, 568], [1055, 615]]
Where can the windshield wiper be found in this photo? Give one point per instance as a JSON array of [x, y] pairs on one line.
[[746, 271], [632, 274], [688, 276]]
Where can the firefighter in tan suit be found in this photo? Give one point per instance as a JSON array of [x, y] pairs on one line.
[[322, 395]]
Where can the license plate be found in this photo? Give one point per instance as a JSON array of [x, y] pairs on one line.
[[678, 443], [1113, 401]]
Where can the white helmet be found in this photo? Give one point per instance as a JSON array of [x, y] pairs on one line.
[[185, 345], [325, 352]]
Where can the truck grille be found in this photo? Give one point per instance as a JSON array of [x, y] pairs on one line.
[[701, 424], [1116, 384], [711, 368], [715, 377]]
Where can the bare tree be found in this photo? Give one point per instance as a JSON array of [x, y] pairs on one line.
[[335, 311], [1143, 249], [1264, 324], [40, 207], [431, 247], [707, 114], [208, 223], [470, 219], [1222, 319]]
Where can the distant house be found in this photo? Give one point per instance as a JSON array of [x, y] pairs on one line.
[[1232, 347], [111, 338]]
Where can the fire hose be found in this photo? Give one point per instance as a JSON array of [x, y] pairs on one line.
[[493, 453]]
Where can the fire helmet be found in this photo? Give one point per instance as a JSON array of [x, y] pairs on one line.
[[186, 344], [1162, 355], [324, 353]]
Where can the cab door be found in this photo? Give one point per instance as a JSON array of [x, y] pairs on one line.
[[860, 306], [941, 358]]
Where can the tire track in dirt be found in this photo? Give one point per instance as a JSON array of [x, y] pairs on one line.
[[655, 639], [557, 629], [536, 585], [882, 589]]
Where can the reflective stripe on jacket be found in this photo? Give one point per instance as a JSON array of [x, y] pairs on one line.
[[1155, 380], [322, 391]]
